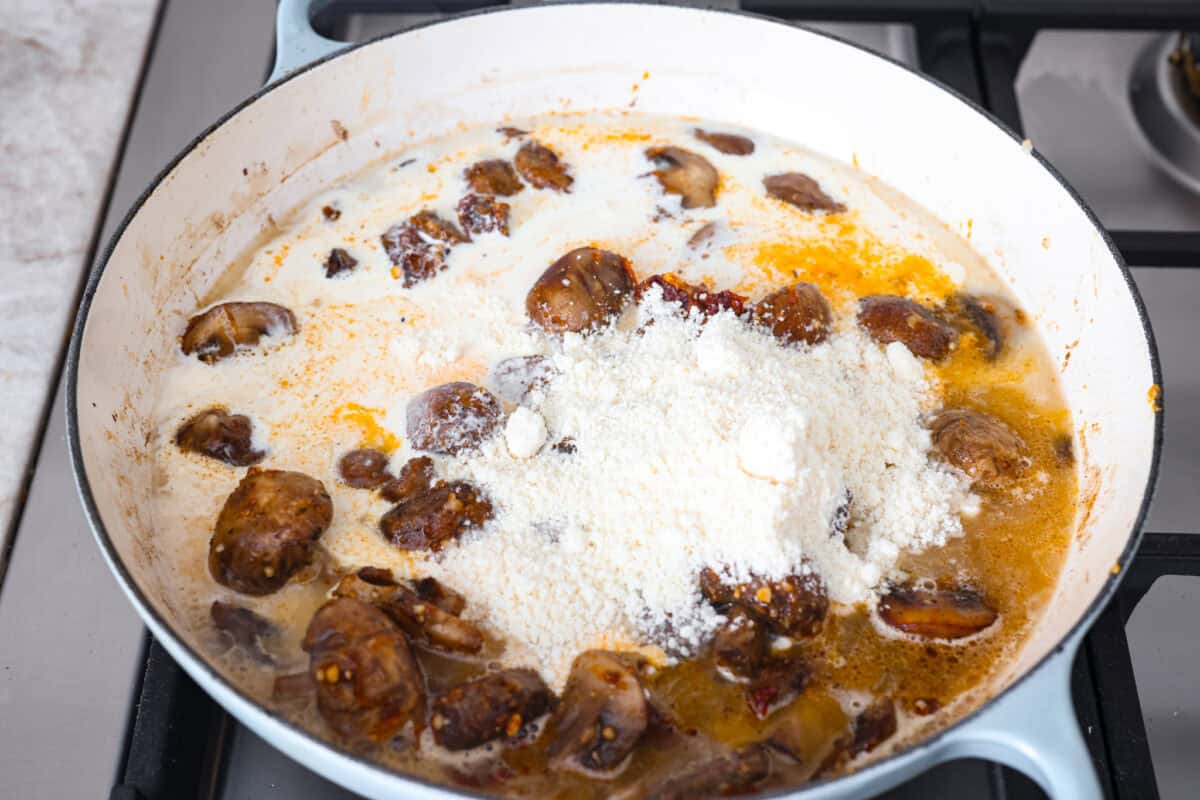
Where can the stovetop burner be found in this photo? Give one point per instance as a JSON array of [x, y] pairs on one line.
[[1164, 91]]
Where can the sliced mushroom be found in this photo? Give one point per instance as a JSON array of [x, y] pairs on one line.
[[676, 290], [437, 229], [216, 433], [226, 328], [602, 714], [516, 378], [482, 213], [873, 726], [791, 606], [584, 289], [891, 318], [488, 708], [433, 519], [728, 143], [541, 167], [978, 444], [799, 190], [267, 530], [368, 684], [431, 590], [686, 174], [796, 313], [493, 176], [415, 478], [419, 247], [778, 682], [423, 621], [452, 418], [339, 261], [970, 313], [811, 730], [740, 646], [246, 630], [718, 776], [365, 468], [936, 614]]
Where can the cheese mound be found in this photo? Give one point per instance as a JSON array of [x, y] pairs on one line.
[[697, 443]]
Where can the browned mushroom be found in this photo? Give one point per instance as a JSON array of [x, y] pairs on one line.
[[686, 174], [936, 614], [728, 143], [799, 190], [978, 315], [431, 590], [602, 715], [891, 318], [482, 213], [677, 290], [493, 176], [419, 247], [415, 478], [245, 629], [452, 418], [267, 530], [365, 468], [978, 444], [776, 683], [740, 646], [584, 289], [368, 684], [517, 377], [494, 706], [226, 328], [811, 730], [717, 776], [541, 167], [791, 606], [430, 520], [873, 726], [796, 313], [339, 261], [216, 433], [423, 621]]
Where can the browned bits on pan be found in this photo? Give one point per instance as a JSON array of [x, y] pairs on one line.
[[677, 290], [874, 726], [415, 478], [492, 707], [791, 606], [728, 143], [430, 520], [510, 132], [936, 613], [331, 213], [541, 167], [723, 775], [451, 418], [483, 214], [702, 236], [228, 327], [424, 622], [515, 378], [978, 444], [566, 446], [584, 289], [796, 313], [602, 715], [924, 706], [686, 174], [245, 629], [977, 315], [801, 191], [493, 176], [216, 433], [419, 247], [267, 530], [891, 318], [339, 261], [365, 468], [1064, 450], [368, 684]]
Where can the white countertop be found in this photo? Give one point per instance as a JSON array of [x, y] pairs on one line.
[[67, 77]]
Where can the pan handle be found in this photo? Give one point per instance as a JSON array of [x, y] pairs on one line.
[[296, 43], [1033, 729]]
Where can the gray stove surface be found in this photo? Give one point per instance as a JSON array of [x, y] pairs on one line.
[[70, 644]]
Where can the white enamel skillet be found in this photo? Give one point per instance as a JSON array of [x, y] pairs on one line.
[[321, 118]]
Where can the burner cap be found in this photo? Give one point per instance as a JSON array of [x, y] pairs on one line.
[[1164, 91]]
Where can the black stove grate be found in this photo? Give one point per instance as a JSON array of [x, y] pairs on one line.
[[177, 737]]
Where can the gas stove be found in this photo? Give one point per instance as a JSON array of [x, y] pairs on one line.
[[94, 707]]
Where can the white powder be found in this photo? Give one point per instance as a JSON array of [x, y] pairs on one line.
[[696, 445]]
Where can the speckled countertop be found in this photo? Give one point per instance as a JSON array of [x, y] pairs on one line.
[[67, 76]]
